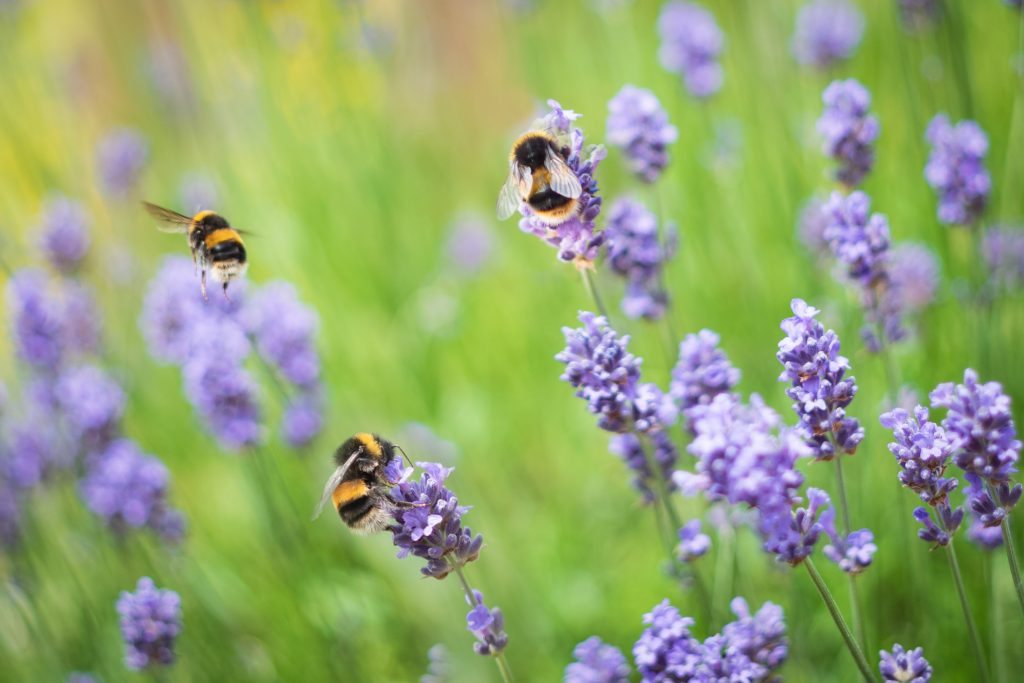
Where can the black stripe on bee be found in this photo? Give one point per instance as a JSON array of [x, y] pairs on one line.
[[229, 250], [545, 200]]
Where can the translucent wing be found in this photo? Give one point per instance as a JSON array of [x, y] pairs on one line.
[[175, 221], [333, 482], [508, 198], [563, 180]]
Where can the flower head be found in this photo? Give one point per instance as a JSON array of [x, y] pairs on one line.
[[852, 553], [597, 662], [172, 304], [64, 233], [120, 157], [848, 130], [692, 543], [702, 372], [666, 650], [691, 44], [922, 450], [29, 454], [638, 125], [956, 169], [488, 625], [92, 403], [38, 328], [150, 624], [284, 329], [636, 253], [792, 537], [433, 529], [904, 666], [827, 31], [914, 276]]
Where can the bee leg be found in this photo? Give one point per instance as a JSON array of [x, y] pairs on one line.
[[404, 504], [226, 292], [202, 285]]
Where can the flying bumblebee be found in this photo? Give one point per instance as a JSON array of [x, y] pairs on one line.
[[215, 245], [539, 174], [359, 486]]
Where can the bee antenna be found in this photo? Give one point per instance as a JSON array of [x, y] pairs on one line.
[[404, 455]]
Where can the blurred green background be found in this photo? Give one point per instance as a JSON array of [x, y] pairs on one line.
[[349, 137]]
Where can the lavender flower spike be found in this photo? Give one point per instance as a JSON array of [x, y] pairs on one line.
[[488, 625], [853, 553], [691, 44], [792, 536], [702, 372], [666, 651], [597, 662], [64, 234], [914, 276], [956, 169], [433, 529], [848, 130], [692, 543], [284, 329], [904, 666], [120, 158], [827, 31], [922, 449], [638, 125], [150, 624], [636, 254]]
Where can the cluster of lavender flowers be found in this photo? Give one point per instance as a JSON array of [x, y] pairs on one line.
[[635, 252], [638, 125], [827, 32], [848, 130], [575, 238], [71, 409], [702, 372], [904, 666], [211, 341], [606, 375], [150, 625], [691, 45], [120, 159], [956, 170]]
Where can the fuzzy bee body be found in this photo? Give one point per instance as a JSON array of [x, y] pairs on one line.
[[539, 175], [359, 487], [215, 245]]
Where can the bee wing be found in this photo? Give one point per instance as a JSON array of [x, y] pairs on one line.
[[509, 197], [563, 180], [175, 221], [332, 483]]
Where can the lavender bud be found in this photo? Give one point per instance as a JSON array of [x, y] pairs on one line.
[[438, 670], [488, 625], [852, 553], [848, 130], [691, 44], [827, 31], [64, 233], [792, 536], [956, 169], [150, 624], [638, 125], [692, 543], [900, 666], [597, 662], [630, 449]]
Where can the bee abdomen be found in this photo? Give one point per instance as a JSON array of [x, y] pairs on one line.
[[545, 200], [229, 250], [355, 510]]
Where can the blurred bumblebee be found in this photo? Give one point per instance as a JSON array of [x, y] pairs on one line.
[[215, 245], [539, 174], [359, 487]]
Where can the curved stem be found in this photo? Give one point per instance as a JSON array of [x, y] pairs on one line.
[[972, 629], [837, 617], [588, 283], [499, 658]]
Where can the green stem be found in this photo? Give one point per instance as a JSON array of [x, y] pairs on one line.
[[499, 658], [591, 287], [844, 509], [837, 617], [972, 629], [1011, 557]]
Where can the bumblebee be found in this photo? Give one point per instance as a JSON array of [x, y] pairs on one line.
[[215, 245], [359, 486], [539, 174]]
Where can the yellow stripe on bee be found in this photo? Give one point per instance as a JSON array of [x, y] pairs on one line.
[[370, 443], [222, 235], [347, 491]]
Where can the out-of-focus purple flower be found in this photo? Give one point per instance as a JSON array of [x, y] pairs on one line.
[[692, 543], [488, 625], [852, 553], [433, 529], [438, 670], [914, 276], [284, 329], [197, 191], [31, 452], [819, 387], [597, 662], [303, 419], [956, 169], [150, 624], [761, 637], [691, 44], [64, 233], [81, 318], [169, 74], [666, 650], [792, 537], [702, 372], [637, 254], [10, 515], [811, 225], [92, 404], [470, 245], [120, 157], [575, 238], [1003, 247], [128, 489], [630, 449], [988, 537], [80, 677], [860, 241], [904, 666], [849, 131], [638, 125], [37, 324], [172, 303], [919, 14], [827, 31]]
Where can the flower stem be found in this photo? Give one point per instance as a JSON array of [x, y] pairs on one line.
[[858, 618], [1011, 557], [972, 629], [499, 658], [588, 282], [837, 617]]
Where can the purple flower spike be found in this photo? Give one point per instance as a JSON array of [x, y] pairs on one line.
[[64, 234], [691, 44], [792, 536], [904, 666], [597, 662], [93, 403], [284, 329], [914, 276], [631, 450], [636, 254], [37, 324], [827, 31], [848, 130], [638, 125], [120, 158], [811, 226], [433, 529], [702, 372], [761, 637], [853, 553], [956, 169], [488, 625], [819, 387], [150, 624], [666, 651], [949, 521], [692, 543], [922, 450], [303, 419]]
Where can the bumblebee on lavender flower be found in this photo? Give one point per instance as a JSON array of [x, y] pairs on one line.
[[359, 487], [539, 174], [215, 245]]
